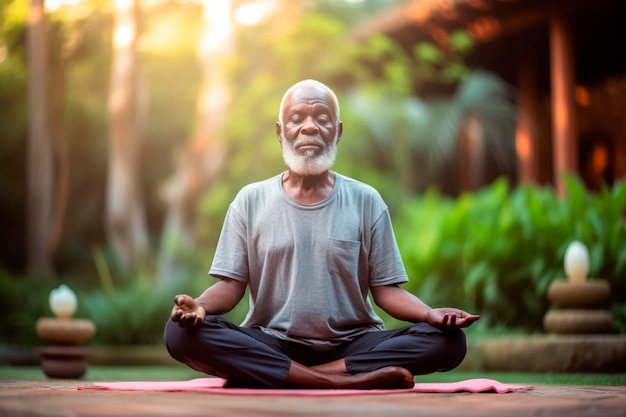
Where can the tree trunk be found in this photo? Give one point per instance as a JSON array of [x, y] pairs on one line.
[[62, 161], [125, 216], [40, 161], [472, 156], [204, 155]]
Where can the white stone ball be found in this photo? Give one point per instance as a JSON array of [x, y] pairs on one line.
[[63, 302], [576, 262]]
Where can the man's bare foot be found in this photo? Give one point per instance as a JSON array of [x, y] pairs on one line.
[[391, 377]]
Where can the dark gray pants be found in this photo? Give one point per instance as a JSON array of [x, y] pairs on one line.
[[249, 357]]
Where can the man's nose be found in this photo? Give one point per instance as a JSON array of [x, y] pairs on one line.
[[309, 127]]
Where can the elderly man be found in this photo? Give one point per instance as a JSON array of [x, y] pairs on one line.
[[312, 245]]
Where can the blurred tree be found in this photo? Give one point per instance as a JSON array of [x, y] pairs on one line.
[[58, 91], [79, 38], [40, 156], [486, 140], [125, 217], [458, 141], [13, 133], [415, 143], [201, 160]]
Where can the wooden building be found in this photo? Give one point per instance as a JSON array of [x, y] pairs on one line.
[[567, 61]]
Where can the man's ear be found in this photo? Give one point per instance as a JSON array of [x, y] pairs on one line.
[[278, 131], [339, 130]]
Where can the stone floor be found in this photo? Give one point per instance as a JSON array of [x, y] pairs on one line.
[[61, 398]]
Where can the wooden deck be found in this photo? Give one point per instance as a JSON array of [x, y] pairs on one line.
[[61, 398]]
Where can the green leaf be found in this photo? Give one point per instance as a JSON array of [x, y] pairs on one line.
[[461, 41], [476, 276], [427, 51]]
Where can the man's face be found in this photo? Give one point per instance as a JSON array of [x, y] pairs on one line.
[[310, 131]]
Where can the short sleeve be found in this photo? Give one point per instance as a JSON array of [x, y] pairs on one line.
[[231, 254], [385, 262]]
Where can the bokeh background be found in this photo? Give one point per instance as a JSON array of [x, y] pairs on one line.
[[127, 128]]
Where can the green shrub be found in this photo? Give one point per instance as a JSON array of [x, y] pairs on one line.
[[495, 252], [23, 300], [134, 313]]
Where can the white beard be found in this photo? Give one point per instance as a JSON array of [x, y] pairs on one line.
[[309, 163]]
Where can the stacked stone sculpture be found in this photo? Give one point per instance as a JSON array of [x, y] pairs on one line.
[[580, 302], [64, 358]]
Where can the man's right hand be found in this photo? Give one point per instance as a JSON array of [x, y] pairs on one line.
[[187, 312]]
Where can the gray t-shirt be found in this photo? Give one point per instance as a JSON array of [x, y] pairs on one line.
[[310, 267]]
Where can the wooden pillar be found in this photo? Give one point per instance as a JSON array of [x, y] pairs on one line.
[[564, 138], [526, 142]]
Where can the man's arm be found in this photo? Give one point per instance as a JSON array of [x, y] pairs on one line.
[[219, 298], [222, 296], [400, 303], [403, 305]]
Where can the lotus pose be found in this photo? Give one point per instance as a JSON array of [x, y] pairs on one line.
[[312, 246]]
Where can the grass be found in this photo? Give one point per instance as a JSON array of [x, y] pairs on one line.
[[156, 373], [106, 373]]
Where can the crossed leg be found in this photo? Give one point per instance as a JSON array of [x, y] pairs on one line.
[[250, 357]]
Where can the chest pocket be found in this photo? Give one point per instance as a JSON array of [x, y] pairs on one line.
[[343, 257]]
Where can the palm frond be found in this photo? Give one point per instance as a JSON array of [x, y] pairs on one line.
[[403, 129]]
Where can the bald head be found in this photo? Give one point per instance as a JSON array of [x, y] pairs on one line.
[[332, 98]]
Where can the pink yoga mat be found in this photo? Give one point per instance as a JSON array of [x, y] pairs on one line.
[[216, 386]]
